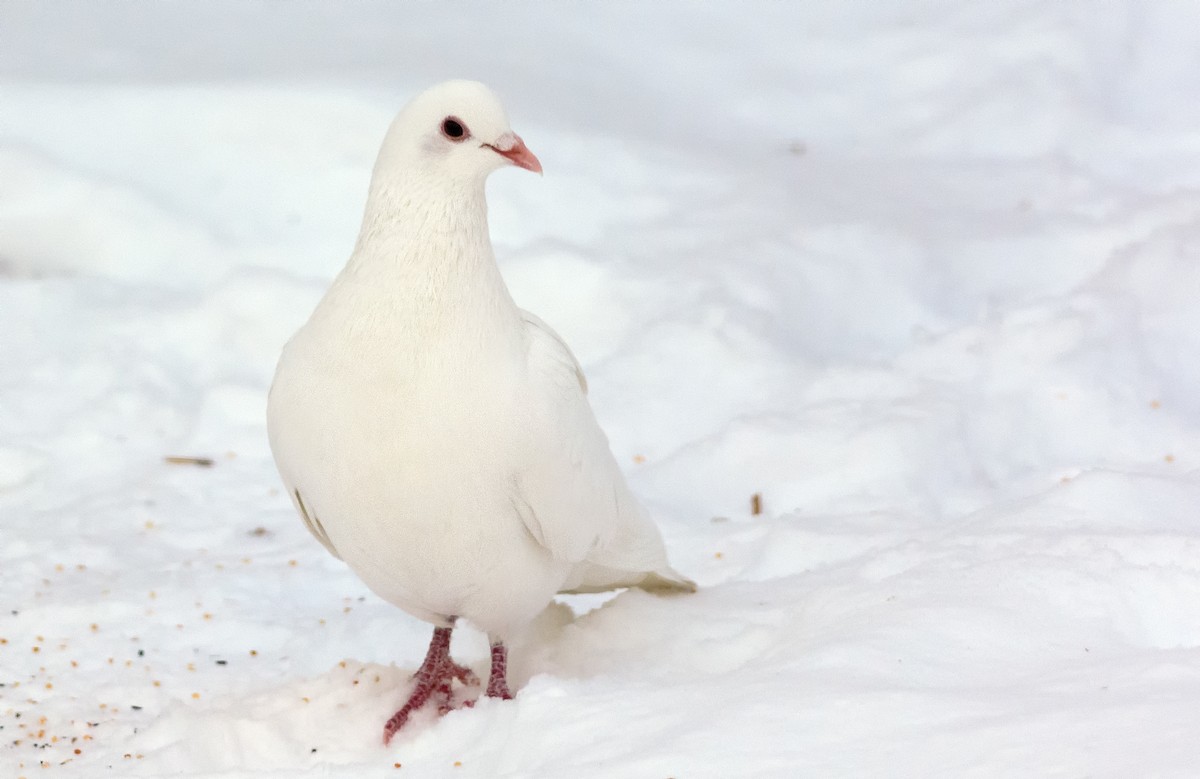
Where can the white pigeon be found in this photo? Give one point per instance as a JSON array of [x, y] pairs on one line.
[[436, 437]]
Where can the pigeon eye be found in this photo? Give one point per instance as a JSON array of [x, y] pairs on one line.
[[453, 129]]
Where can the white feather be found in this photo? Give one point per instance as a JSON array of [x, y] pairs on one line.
[[434, 436]]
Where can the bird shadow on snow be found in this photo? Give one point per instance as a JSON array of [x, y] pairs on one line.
[[631, 642]]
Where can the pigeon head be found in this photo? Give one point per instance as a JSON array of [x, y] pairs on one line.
[[456, 130]]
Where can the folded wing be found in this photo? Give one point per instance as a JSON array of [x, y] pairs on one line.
[[570, 492]]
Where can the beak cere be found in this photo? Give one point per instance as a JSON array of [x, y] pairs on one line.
[[513, 148]]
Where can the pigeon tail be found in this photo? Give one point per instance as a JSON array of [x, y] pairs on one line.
[[669, 582], [591, 578]]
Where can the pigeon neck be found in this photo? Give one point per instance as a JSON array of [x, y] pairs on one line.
[[418, 225], [425, 208], [425, 256]]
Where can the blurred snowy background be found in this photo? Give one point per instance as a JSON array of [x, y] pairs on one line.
[[924, 275]]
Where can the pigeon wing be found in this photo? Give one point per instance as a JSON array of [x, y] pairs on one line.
[[570, 493]]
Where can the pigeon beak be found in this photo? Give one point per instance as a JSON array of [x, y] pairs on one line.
[[513, 148]]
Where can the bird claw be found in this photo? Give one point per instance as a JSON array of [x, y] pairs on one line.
[[435, 683], [463, 674], [499, 689], [435, 680], [459, 672]]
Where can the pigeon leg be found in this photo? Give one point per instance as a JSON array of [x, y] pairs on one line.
[[434, 679], [498, 681]]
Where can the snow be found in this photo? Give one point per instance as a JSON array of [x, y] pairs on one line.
[[923, 276]]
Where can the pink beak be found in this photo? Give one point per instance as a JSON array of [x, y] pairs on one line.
[[513, 148]]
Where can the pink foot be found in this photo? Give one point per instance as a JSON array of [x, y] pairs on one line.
[[462, 673], [451, 671], [434, 679], [498, 681]]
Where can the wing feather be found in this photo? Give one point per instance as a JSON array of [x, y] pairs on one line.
[[570, 492]]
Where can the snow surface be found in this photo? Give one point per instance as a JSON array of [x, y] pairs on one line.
[[925, 275]]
